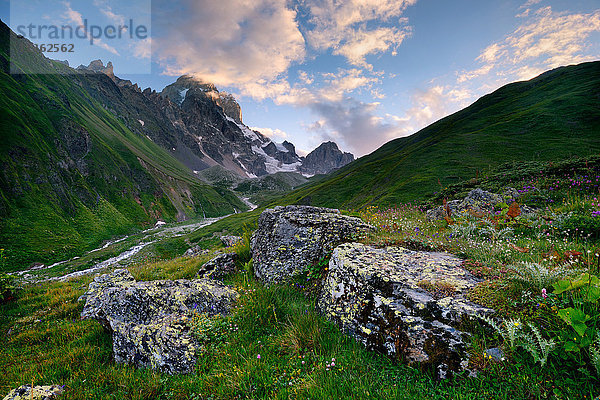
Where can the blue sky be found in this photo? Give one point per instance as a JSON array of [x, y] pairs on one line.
[[357, 72]]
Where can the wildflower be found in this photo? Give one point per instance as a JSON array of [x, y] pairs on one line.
[[544, 295], [258, 356]]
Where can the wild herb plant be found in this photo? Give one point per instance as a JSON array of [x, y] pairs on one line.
[[537, 346], [510, 330], [515, 335], [242, 248], [538, 275]]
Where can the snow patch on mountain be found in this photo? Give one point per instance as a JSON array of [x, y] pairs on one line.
[[281, 147], [182, 93], [249, 133], [272, 165]]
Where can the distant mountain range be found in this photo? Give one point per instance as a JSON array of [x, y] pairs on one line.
[[202, 127], [86, 155], [551, 117]]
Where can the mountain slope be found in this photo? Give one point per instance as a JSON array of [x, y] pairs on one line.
[[553, 116], [72, 171]]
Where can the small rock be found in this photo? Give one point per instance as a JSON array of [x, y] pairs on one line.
[[494, 353], [38, 393], [477, 200], [159, 223], [195, 251], [229, 241], [290, 238], [219, 267]]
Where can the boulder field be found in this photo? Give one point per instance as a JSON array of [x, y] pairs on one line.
[[409, 305]]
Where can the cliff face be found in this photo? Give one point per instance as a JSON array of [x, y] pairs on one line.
[[177, 91], [324, 159]]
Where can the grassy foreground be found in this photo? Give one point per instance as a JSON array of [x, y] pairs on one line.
[[273, 346], [538, 271]]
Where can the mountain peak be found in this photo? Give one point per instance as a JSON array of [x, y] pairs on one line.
[[325, 158], [98, 66], [177, 92]]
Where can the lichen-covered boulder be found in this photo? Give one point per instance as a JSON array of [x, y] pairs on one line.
[[151, 321], [219, 267], [389, 300], [290, 238], [37, 393]]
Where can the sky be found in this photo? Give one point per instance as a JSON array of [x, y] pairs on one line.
[[359, 73]]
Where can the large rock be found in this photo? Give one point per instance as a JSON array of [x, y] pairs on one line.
[[293, 237], [37, 393], [379, 296], [150, 321]]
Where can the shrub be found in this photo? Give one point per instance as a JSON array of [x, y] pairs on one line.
[[8, 287], [242, 248]]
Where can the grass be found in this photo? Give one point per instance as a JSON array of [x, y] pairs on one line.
[[301, 354], [538, 270]]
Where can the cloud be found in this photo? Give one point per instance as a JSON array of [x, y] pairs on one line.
[[352, 123], [106, 9], [344, 26], [228, 42], [468, 75], [72, 15], [305, 78], [142, 48], [276, 135], [345, 81], [546, 40], [358, 125], [362, 43], [530, 3], [76, 18]]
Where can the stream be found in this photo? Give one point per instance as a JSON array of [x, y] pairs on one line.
[[148, 237]]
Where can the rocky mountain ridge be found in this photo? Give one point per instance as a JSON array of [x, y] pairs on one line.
[[324, 159], [203, 127]]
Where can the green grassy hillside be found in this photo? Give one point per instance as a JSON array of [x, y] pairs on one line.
[[72, 174], [551, 117]]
